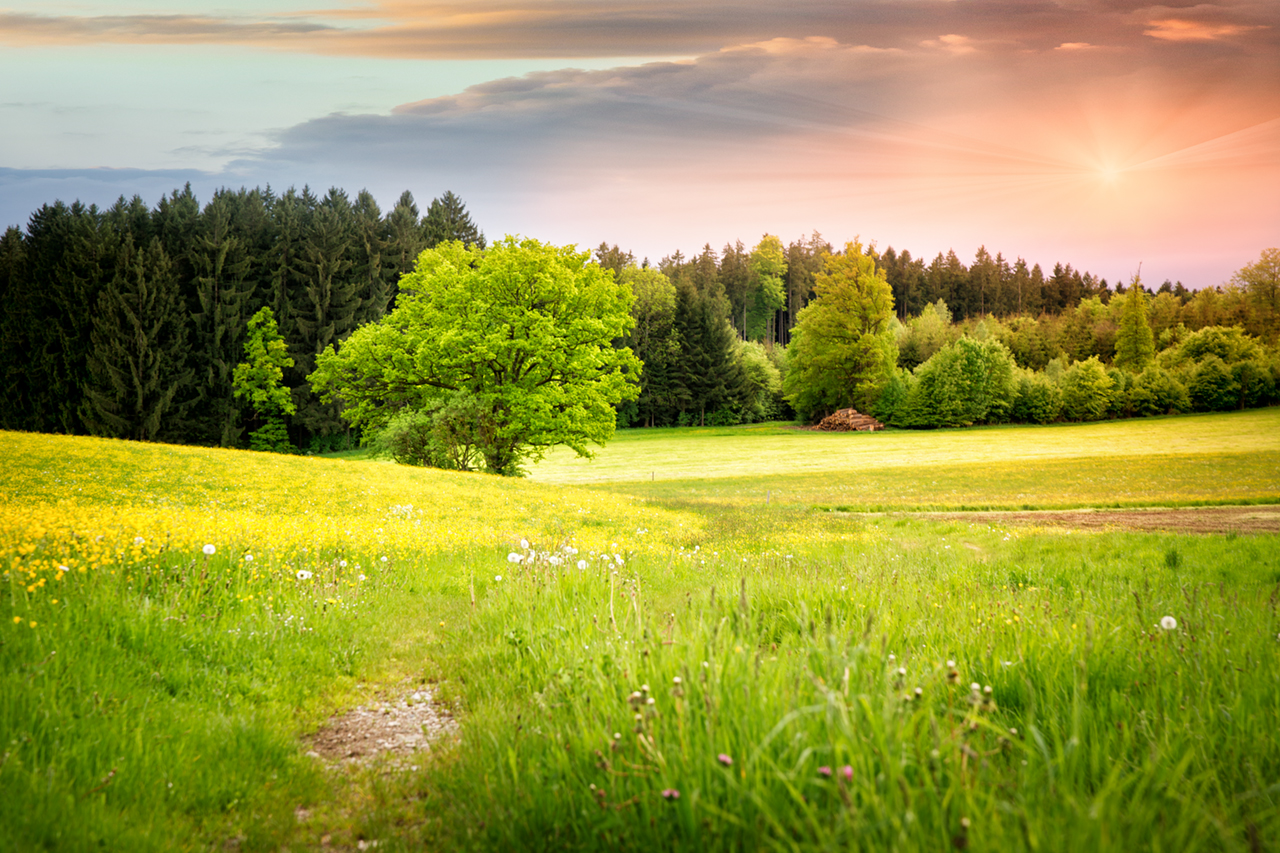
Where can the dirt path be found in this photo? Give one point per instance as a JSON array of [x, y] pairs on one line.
[[1205, 519]]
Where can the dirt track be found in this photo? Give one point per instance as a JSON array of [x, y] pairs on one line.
[[1208, 519]]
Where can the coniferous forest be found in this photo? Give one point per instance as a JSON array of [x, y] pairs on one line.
[[130, 322]]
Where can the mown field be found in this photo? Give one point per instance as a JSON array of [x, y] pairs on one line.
[[672, 647]]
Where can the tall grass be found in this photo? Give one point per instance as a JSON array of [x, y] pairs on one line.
[[156, 697]]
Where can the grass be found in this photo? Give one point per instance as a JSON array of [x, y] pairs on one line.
[[153, 696]]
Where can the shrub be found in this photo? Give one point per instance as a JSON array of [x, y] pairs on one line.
[[1038, 401], [965, 383], [1086, 390], [1156, 392], [1212, 387]]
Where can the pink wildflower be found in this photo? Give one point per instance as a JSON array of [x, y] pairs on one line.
[[725, 760]]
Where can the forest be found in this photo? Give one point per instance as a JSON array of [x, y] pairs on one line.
[[130, 321]]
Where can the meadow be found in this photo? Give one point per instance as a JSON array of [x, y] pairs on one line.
[[675, 646]]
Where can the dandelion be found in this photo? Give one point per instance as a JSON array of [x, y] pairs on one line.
[[726, 760], [513, 557], [384, 558], [975, 687], [208, 550], [670, 794], [497, 577], [17, 620], [138, 540], [304, 575], [676, 681], [362, 577], [824, 771], [524, 543], [1168, 623], [582, 565], [342, 563], [248, 558]]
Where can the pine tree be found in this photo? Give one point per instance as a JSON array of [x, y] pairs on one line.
[[324, 308], [372, 279], [17, 352], [1135, 345], [447, 219], [136, 366], [224, 293], [402, 241]]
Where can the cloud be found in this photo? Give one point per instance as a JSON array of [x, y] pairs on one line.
[[588, 28], [1180, 29]]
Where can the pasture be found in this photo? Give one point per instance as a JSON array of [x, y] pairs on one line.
[[696, 641]]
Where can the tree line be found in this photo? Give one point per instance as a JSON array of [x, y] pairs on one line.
[[130, 321], [719, 333]]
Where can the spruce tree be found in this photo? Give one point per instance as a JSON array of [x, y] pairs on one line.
[[402, 242], [1135, 345], [447, 219], [18, 354], [224, 292], [136, 367]]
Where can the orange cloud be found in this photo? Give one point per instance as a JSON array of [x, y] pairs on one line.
[[1181, 29]]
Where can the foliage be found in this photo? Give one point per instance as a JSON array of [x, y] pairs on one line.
[[762, 383], [1135, 345], [523, 329], [259, 379], [1212, 387], [447, 219], [1156, 392], [445, 433], [768, 294], [843, 350], [1087, 390], [964, 383], [138, 346], [1261, 279], [1037, 401]]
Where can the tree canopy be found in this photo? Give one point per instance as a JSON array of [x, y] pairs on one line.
[[520, 333], [843, 349]]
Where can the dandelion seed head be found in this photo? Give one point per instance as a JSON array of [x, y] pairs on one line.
[[1168, 623], [208, 550]]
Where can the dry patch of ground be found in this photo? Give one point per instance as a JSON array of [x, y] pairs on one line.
[[1206, 519], [402, 723]]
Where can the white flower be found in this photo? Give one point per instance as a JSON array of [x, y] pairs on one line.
[[975, 687], [582, 565], [63, 569], [524, 543], [304, 575], [554, 560], [676, 680], [497, 577], [384, 559], [248, 558], [617, 559], [513, 557], [362, 577], [138, 540], [208, 550], [1168, 623], [342, 563]]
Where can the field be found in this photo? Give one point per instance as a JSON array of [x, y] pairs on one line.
[[703, 639]]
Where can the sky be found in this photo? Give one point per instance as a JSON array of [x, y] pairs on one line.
[[1110, 134]]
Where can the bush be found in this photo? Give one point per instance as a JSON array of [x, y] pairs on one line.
[[1038, 401], [444, 434], [965, 383], [889, 406], [1212, 387], [1156, 392], [1086, 390]]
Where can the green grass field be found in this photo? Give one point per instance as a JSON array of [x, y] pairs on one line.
[[722, 673]]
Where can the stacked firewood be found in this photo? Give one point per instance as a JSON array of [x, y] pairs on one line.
[[849, 420]]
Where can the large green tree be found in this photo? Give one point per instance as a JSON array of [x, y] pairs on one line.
[[1135, 345], [259, 379], [842, 348], [522, 332]]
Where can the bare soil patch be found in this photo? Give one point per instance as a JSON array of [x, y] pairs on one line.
[[1205, 519], [406, 721]]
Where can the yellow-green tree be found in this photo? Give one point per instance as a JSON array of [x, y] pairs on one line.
[[843, 348], [1135, 345]]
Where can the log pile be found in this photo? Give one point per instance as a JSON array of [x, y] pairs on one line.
[[849, 420]]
